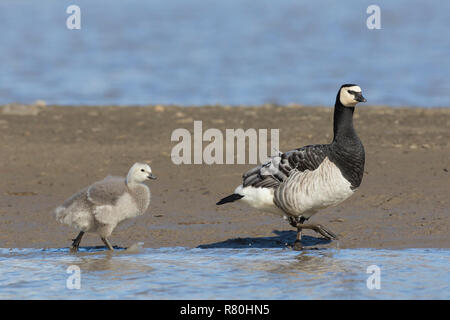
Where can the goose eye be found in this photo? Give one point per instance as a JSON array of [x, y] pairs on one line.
[[142, 170]]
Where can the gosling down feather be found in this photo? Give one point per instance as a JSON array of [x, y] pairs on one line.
[[100, 207]]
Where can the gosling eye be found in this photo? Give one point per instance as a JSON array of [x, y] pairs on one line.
[[142, 170]]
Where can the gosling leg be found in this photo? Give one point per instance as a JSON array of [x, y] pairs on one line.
[[76, 242]]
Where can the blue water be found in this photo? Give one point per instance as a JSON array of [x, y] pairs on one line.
[[180, 273], [234, 52]]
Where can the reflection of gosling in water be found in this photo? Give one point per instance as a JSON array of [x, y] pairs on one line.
[[100, 207]]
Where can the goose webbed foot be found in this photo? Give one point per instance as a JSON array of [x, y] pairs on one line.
[[108, 244], [327, 233], [76, 242], [297, 246]]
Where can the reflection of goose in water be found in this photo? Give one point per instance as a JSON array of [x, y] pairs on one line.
[[301, 267], [123, 263], [314, 269], [307, 263]]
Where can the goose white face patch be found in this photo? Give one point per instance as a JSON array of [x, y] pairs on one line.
[[348, 99]]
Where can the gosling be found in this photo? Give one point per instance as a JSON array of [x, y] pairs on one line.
[[100, 207]]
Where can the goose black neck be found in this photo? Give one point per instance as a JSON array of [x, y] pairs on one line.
[[343, 123]]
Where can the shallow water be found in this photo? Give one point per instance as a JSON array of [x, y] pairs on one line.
[[181, 273], [236, 52]]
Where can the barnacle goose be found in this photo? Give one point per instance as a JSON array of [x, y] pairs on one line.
[[298, 183]]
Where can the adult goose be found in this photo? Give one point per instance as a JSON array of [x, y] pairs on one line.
[[298, 183]]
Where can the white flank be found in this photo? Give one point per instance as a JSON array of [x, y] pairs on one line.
[[259, 198]]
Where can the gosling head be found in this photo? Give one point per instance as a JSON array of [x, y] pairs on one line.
[[350, 94], [140, 172]]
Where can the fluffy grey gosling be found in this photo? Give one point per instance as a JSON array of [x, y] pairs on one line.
[[100, 207]]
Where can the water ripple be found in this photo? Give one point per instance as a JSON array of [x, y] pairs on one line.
[[181, 273]]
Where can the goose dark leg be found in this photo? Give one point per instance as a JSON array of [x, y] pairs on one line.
[[295, 222], [328, 234], [298, 241], [76, 242], [108, 245]]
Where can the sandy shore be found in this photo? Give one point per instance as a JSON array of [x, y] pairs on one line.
[[51, 152]]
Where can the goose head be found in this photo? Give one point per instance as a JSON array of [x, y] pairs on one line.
[[140, 172], [350, 94]]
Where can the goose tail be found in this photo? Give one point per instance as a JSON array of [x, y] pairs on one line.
[[231, 198]]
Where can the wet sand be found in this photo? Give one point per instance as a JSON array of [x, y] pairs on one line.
[[49, 153]]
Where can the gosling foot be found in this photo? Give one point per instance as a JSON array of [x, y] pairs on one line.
[[76, 242]]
